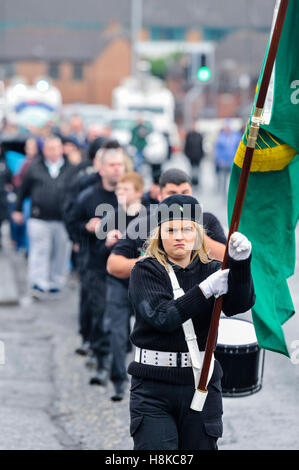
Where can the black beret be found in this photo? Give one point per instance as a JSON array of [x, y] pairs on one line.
[[179, 206]]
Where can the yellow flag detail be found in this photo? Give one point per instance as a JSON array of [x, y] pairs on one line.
[[266, 159]]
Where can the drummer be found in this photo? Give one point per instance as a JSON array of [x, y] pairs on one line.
[[162, 377]]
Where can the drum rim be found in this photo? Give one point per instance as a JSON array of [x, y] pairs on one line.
[[250, 348], [238, 346], [239, 393]]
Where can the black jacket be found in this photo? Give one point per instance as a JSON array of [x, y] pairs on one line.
[[47, 194], [194, 146], [159, 317], [84, 178], [85, 209]]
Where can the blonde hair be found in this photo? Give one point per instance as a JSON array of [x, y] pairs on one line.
[[134, 178], [154, 247]]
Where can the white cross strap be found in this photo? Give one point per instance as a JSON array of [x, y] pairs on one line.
[[190, 336]]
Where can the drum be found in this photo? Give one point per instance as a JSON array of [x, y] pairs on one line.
[[240, 356]]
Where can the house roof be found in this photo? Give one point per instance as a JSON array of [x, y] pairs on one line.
[[53, 44], [89, 13], [74, 29], [243, 48], [211, 13]]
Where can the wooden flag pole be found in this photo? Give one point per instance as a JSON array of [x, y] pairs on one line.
[[254, 130]]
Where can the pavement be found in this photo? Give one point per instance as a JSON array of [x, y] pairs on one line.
[[46, 402]]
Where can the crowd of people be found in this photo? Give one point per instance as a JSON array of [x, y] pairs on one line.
[[80, 204], [79, 145]]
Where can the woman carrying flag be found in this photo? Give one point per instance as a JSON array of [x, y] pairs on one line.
[[175, 283]]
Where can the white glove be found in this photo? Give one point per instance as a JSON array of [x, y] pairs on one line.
[[239, 246], [215, 284]]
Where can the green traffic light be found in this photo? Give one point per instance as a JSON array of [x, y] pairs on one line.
[[204, 74]]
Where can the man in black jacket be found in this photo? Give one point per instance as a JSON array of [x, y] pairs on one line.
[[86, 176], [91, 206], [45, 183], [194, 151], [118, 309]]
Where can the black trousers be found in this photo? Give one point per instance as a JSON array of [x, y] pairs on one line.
[[99, 343], [195, 172], [116, 324], [161, 417], [85, 314]]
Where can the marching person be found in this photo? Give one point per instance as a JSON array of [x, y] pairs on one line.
[[138, 140], [194, 151], [45, 182], [87, 175], [226, 146], [118, 308], [155, 153], [31, 152], [100, 196], [163, 384]]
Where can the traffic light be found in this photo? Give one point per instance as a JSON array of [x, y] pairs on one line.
[[202, 67], [203, 72]]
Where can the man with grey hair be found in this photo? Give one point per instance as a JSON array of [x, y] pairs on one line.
[[45, 182], [91, 206]]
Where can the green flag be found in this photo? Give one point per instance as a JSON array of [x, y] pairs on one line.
[[271, 206]]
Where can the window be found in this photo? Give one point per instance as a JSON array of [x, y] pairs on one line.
[[78, 72], [216, 34], [167, 34], [53, 71]]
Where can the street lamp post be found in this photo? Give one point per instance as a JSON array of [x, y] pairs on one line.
[[136, 25]]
